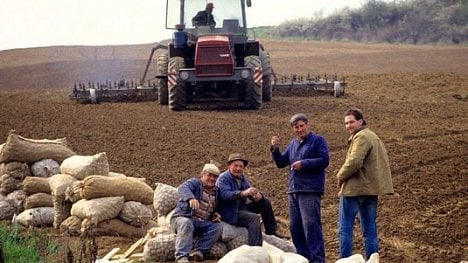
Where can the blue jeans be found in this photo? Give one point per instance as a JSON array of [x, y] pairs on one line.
[[186, 228], [350, 206], [306, 225]]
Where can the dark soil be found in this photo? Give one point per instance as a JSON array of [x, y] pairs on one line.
[[414, 97]]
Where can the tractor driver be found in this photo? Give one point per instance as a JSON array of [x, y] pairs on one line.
[[204, 17]]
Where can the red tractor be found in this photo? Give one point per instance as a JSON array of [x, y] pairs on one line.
[[211, 59]]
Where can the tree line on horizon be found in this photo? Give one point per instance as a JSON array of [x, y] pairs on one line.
[[398, 21]]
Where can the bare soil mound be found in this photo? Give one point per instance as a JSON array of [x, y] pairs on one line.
[[415, 98]]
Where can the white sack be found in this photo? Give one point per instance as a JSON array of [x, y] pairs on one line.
[[82, 166], [45, 168]]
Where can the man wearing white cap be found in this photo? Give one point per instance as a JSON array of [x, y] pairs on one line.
[[195, 216]]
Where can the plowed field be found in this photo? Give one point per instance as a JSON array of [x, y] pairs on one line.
[[414, 97]]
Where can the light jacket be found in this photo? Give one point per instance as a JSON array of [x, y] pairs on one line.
[[314, 156], [366, 170], [230, 196]]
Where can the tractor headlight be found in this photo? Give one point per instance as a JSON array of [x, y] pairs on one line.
[[245, 74], [184, 75]]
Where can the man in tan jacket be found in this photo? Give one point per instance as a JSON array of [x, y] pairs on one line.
[[363, 177]]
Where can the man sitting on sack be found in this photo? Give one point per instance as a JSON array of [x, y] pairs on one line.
[[195, 215], [240, 202]]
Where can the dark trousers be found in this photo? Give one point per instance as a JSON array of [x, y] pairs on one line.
[[248, 217], [306, 225]]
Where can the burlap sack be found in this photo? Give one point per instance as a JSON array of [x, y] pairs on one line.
[[32, 185], [112, 174], [230, 232], [38, 200], [45, 168], [130, 188], [39, 217], [160, 249], [62, 210], [17, 197], [18, 170], [7, 210], [245, 253], [237, 242], [73, 192], [165, 199], [116, 227], [284, 245], [82, 166], [218, 250], [71, 226], [165, 221], [25, 150], [98, 209], [9, 184], [59, 183], [135, 214]]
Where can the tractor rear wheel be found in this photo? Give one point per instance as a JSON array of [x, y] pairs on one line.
[[253, 91], [176, 87], [267, 89]]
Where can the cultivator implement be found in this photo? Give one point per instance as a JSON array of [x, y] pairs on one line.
[[296, 84], [120, 91]]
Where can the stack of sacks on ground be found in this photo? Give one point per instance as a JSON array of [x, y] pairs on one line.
[[25, 166], [102, 202], [160, 247]]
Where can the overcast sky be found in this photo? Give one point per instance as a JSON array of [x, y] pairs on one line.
[[34, 23]]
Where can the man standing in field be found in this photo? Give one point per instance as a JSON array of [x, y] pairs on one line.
[[364, 175], [307, 156]]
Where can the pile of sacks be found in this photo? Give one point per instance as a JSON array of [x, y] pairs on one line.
[[45, 183]]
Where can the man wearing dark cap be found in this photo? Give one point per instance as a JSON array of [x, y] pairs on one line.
[[240, 202], [204, 17], [307, 157]]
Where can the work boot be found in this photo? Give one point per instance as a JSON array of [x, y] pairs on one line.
[[196, 256]]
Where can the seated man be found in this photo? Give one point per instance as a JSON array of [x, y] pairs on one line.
[[204, 17], [195, 216], [240, 202]]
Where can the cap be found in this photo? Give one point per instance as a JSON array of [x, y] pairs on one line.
[[211, 168], [237, 156]]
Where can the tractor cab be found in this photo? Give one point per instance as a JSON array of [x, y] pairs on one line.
[[227, 18]]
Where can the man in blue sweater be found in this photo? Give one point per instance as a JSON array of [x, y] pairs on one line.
[[195, 216], [240, 202], [308, 157]]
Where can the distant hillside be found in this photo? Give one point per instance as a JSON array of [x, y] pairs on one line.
[[411, 21]]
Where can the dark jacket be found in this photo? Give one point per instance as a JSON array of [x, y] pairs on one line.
[[192, 188], [230, 196], [314, 156], [203, 18]]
